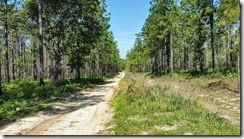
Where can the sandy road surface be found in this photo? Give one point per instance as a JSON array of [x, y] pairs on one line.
[[83, 113]]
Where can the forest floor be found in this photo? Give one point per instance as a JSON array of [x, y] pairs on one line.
[[82, 113]]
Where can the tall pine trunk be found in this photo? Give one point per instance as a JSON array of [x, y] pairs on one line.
[[238, 61], [19, 56], [171, 53], [165, 56], [1, 90], [24, 62], [212, 35], [13, 64], [78, 63], [41, 42], [227, 51], [6, 40], [34, 72], [239, 69], [185, 56]]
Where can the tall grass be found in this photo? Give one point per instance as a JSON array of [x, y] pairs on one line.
[[158, 111]]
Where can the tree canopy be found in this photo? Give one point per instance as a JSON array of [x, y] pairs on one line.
[[188, 34]]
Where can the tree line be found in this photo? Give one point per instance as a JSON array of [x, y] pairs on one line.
[[56, 39], [195, 35]]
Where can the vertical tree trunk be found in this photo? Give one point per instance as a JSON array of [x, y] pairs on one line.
[[1, 90], [34, 62], [41, 42], [162, 58], [185, 57], [57, 71], [34, 69], [238, 60], [218, 56], [227, 53], [231, 53], [21, 63], [165, 56], [171, 53], [201, 60], [24, 62], [238, 66], [6, 40], [212, 34], [200, 47], [13, 64], [46, 62], [19, 56], [78, 63]]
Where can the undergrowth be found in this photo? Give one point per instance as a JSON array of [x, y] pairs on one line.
[[208, 74], [140, 109]]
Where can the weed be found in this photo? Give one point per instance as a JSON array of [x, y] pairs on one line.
[[160, 111]]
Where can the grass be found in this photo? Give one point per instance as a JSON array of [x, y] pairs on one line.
[[140, 109], [26, 97], [212, 79]]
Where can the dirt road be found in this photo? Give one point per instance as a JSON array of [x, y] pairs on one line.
[[83, 113]]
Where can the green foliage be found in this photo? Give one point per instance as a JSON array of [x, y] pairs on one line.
[[188, 34], [141, 109], [76, 32], [122, 64], [137, 58]]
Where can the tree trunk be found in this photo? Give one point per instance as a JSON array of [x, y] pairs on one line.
[[227, 55], [1, 90], [57, 71], [34, 62], [6, 41], [165, 56], [41, 43], [13, 64], [78, 63], [19, 56], [162, 58], [212, 34], [171, 53], [24, 62], [201, 60], [239, 73], [238, 61], [46, 62], [231, 55], [185, 56], [200, 47]]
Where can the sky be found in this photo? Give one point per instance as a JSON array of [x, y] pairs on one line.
[[127, 19]]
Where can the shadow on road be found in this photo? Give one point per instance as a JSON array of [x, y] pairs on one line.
[[73, 103]]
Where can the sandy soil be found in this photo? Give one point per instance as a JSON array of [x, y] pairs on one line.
[[83, 113]]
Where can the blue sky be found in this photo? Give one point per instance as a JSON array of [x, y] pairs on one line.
[[127, 19]]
